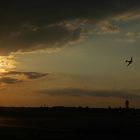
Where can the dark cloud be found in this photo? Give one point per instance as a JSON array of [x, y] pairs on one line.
[[13, 77], [39, 24], [29, 75], [9, 80], [88, 92], [34, 75]]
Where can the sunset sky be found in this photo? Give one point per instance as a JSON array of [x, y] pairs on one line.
[[69, 53]]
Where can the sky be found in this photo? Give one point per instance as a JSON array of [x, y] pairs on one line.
[[69, 53]]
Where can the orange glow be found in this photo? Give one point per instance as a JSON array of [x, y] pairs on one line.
[[7, 63]]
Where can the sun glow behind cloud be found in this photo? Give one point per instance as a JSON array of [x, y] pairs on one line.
[[7, 63]]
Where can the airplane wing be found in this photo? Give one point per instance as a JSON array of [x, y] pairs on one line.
[[131, 58]]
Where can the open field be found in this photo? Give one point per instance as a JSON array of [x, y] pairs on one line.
[[68, 123]]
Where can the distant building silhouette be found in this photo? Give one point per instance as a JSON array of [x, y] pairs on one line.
[[127, 104]]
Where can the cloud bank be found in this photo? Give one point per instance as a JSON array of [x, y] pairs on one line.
[[42, 24], [89, 92]]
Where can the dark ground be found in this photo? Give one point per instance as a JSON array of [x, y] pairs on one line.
[[69, 123]]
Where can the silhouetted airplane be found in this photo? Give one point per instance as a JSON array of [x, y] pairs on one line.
[[129, 61]]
